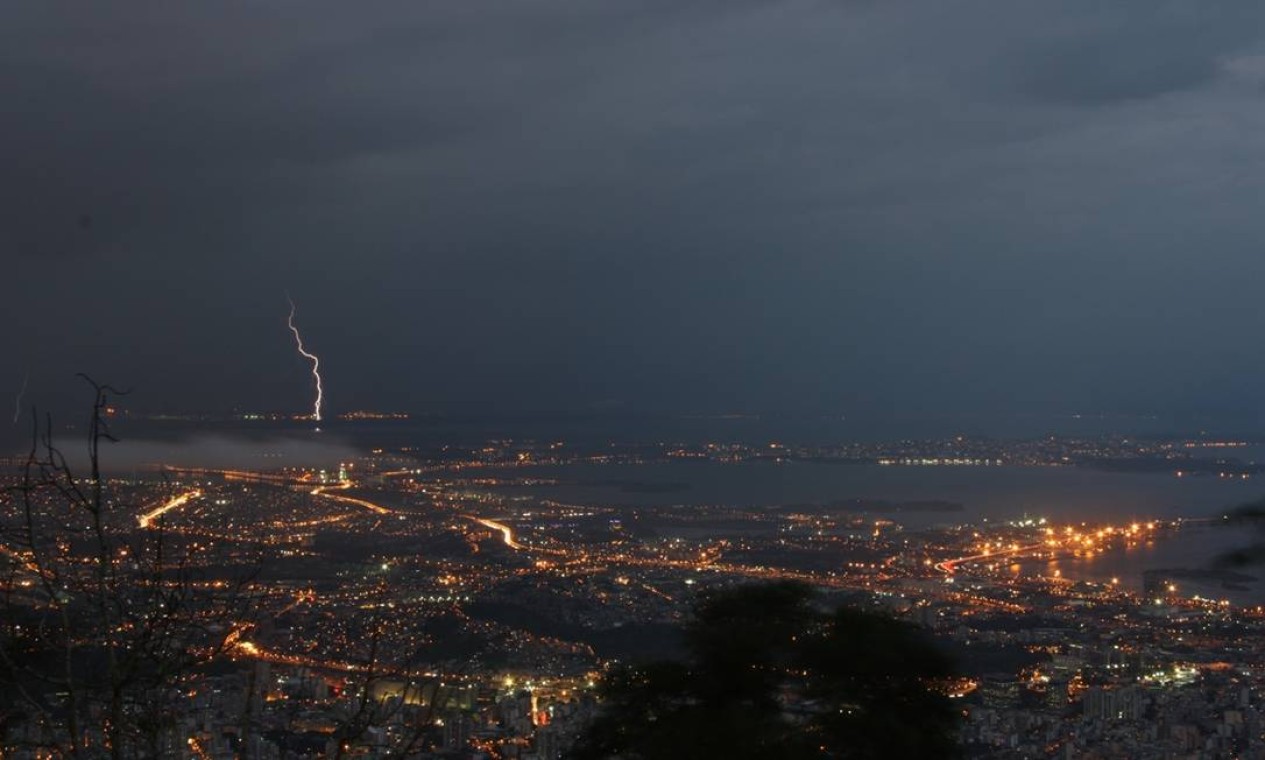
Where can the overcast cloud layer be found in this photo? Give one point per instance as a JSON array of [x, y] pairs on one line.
[[503, 206]]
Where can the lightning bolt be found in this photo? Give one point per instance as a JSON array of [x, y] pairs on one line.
[[316, 363], [17, 407]]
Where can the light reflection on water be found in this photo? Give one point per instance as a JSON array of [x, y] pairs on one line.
[[1062, 494], [1189, 548]]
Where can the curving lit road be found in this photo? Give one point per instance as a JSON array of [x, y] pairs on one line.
[[249, 649], [507, 533], [949, 566], [175, 503], [343, 486]]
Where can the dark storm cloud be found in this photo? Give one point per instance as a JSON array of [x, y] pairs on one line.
[[560, 203], [1125, 51]]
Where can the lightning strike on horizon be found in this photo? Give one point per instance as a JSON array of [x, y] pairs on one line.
[[316, 362], [17, 407]]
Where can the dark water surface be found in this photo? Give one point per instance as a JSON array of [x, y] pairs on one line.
[[995, 493], [1060, 494]]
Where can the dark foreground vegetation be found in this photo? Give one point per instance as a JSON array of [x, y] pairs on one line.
[[770, 674]]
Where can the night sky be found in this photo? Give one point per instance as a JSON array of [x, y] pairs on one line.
[[981, 207]]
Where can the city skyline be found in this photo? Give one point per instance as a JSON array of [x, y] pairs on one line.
[[487, 598]]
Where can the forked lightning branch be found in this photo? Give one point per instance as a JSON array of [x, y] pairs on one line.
[[316, 362]]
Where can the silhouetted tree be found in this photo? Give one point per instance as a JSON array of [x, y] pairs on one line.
[[103, 624], [389, 692], [769, 674], [1250, 515]]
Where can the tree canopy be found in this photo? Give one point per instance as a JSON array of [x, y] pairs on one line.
[[770, 674]]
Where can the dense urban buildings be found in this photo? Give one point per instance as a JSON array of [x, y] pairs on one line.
[[448, 605]]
